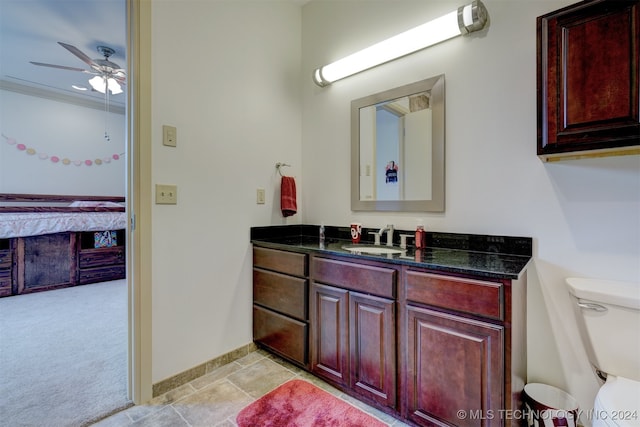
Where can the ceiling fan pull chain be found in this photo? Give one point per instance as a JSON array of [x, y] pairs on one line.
[[106, 111]]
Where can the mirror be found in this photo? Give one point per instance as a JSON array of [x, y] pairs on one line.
[[397, 149]]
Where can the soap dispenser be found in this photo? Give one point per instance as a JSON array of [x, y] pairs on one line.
[[421, 237], [321, 236]]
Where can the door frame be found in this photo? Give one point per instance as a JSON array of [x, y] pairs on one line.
[[139, 201]]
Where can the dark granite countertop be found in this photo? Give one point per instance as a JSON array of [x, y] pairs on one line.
[[501, 257]]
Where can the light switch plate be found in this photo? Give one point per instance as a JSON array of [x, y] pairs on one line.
[[166, 194], [260, 196], [169, 136]]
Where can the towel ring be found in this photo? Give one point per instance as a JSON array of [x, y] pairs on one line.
[[280, 165]]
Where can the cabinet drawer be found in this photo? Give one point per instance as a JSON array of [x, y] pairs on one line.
[[5, 278], [5, 287], [466, 295], [99, 257], [358, 277], [281, 261], [282, 334], [102, 274], [285, 294], [5, 258]]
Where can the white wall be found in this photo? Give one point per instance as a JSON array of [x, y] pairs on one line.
[[227, 75], [234, 77], [584, 215], [53, 128]]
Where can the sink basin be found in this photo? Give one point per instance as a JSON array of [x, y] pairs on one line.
[[372, 249]]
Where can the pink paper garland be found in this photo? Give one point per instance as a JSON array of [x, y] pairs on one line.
[[56, 159]]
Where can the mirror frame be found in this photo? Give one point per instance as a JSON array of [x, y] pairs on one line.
[[436, 203]]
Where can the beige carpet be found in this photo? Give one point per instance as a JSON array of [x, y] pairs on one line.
[[63, 356]]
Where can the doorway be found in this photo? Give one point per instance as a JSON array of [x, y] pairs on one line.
[[138, 384]]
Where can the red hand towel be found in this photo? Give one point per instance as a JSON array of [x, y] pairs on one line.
[[288, 203]]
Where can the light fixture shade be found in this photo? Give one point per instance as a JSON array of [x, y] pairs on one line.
[[101, 84], [114, 86], [464, 20]]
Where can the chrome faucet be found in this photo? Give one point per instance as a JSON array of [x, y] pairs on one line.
[[389, 229]]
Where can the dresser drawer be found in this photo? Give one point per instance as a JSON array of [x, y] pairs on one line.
[[281, 261], [103, 256], [358, 277], [284, 294], [102, 274], [5, 278], [471, 296], [286, 336], [5, 258]]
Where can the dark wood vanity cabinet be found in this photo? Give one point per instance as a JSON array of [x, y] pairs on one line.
[[463, 349], [588, 81], [429, 347], [280, 301], [353, 327]]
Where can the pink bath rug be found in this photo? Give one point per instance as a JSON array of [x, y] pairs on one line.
[[298, 403]]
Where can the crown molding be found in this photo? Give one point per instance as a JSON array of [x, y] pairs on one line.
[[54, 95]]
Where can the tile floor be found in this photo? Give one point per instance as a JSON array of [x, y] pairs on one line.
[[216, 398]]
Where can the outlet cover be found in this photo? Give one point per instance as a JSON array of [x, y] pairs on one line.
[[166, 194], [169, 136]]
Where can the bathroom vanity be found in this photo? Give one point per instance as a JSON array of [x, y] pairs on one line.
[[433, 337]]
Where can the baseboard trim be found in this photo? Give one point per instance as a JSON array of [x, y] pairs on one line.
[[202, 369]]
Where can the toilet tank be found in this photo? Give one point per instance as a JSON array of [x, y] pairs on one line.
[[608, 315]]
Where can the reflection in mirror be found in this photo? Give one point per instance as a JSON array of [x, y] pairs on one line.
[[397, 149]]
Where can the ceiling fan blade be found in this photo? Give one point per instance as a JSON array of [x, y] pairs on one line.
[[77, 52], [62, 67]]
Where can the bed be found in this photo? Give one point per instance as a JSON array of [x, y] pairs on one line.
[[54, 241]]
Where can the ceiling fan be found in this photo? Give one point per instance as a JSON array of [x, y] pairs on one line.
[[108, 75]]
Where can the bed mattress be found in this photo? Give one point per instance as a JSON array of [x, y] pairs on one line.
[[38, 223]]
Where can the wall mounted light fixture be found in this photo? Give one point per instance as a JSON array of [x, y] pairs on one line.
[[466, 19]]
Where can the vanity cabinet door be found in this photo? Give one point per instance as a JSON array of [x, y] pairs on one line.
[[330, 333], [354, 342], [455, 366], [372, 339]]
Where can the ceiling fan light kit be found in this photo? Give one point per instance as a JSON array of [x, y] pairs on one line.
[[101, 84], [108, 76]]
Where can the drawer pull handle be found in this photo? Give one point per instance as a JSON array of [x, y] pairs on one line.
[[592, 306]]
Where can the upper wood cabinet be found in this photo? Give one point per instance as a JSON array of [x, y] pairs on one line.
[[588, 80]]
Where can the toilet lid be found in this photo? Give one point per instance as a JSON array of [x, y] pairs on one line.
[[618, 398]]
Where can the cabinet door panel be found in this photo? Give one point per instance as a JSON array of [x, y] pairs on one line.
[[47, 261], [588, 78], [329, 322], [373, 347], [454, 364]]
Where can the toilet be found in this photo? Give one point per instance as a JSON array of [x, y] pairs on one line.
[[608, 314]]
